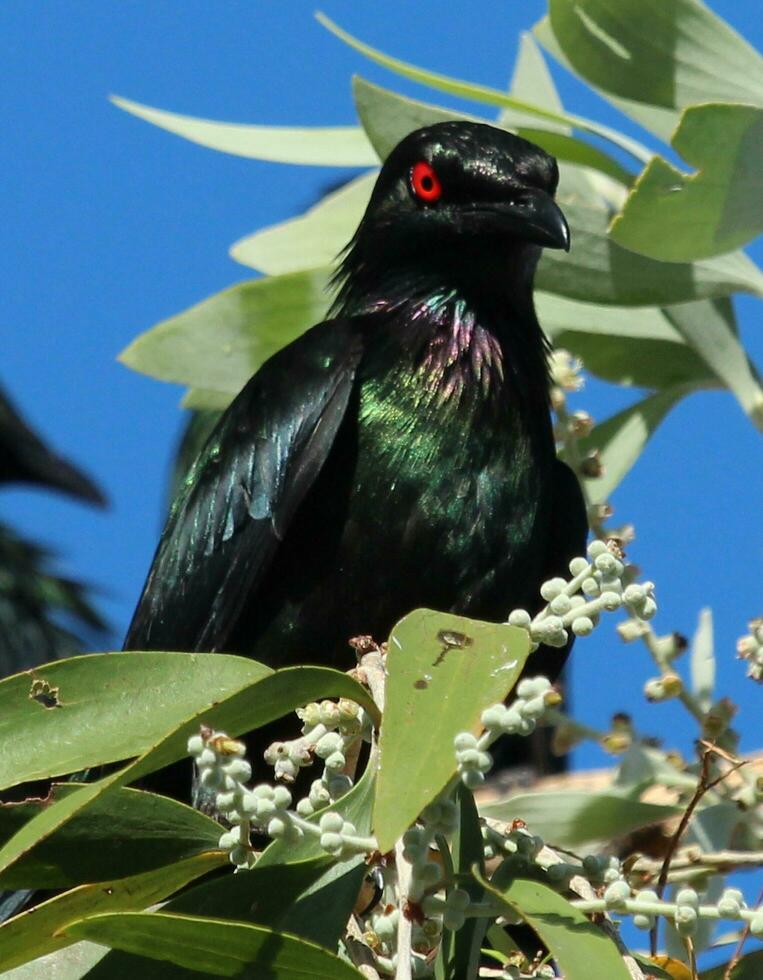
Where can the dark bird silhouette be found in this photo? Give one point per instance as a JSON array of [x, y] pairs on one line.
[[42, 615], [399, 454], [25, 458]]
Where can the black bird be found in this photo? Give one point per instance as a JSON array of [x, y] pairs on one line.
[[25, 458], [399, 454], [42, 615]]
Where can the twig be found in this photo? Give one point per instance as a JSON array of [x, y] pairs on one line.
[[692, 862], [731, 965], [703, 786]]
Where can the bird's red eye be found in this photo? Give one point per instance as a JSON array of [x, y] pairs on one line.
[[425, 183]]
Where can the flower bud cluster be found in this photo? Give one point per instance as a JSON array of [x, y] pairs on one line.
[[685, 910], [328, 729], [600, 583], [663, 688], [534, 695], [339, 837], [223, 769], [452, 908], [750, 648], [566, 370], [472, 761]]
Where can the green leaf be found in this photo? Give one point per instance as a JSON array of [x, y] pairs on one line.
[[718, 209], [442, 672], [656, 119], [621, 439], [702, 662], [750, 967], [250, 707], [223, 949], [581, 950], [670, 53], [311, 899], [125, 833], [109, 707], [221, 342], [39, 930], [532, 82], [322, 146], [388, 117], [632, 346], [598, 270], [482, 93], [71, 963], [568, 818], [468, 852], [313, 239], [711, 329], [205, 399]]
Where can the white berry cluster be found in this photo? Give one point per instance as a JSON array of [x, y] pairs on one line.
[[328, 729], [685, 911], [534, 695], [750, 648], [600, 583], [265, 808], [566, 370], [224, 770]]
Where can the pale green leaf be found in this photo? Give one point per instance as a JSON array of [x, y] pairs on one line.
[[532, 82], [670, 53], [323, 146], [656, 119], [221, 342], [313, 239], [719, 208], [702, 662], [206, 399], [482, 93], [621, 439], [631, 346], [223, 949], [710, 328], [568, 818], [39, 930], [598, 270], [442, 672], [388, 117]]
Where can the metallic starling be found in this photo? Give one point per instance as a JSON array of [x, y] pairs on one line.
[[399, 454]]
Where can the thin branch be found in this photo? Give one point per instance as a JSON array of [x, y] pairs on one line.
[[703, 786]]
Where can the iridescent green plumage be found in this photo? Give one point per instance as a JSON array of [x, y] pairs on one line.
[[397, 455]]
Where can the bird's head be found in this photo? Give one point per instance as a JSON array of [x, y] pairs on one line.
[[460, 193]]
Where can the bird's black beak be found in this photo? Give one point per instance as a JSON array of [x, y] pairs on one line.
[[533, 215]]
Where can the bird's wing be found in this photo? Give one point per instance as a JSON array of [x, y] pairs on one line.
[[243, 490]]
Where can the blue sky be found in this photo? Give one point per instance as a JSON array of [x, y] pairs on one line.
[[109, 225]]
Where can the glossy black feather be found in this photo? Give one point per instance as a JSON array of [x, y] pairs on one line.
[[241, 494], [399, 455]]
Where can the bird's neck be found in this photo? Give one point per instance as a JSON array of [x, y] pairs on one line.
[[471, 325]]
